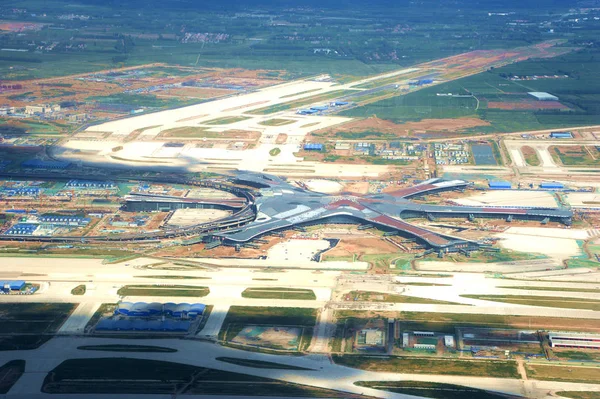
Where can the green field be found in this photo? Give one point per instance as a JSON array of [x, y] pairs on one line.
[[226, 120], [279, 293], [531, 156], [580, 92], [574, 156], [563, 373], [79, 290], [430, 389], [277, 122], [301, 102], [141, 100], [559, 289], [131, 376], [547, 301], [579, 394], [447, 322], [371, 296], [28, 325], [499, 369], [163, 290], [193, 132]]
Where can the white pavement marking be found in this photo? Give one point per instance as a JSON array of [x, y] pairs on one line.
[[215, 321], [323, 332], [517, 157], [77, 321]]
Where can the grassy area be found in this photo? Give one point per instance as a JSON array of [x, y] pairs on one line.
[[190, 132], [240, 316], [579, 394], [170, 277], [79, 290], [430, 389], [560, 289], [274, 152], [259, 364], [371, 296], [531, 156], [447, 322], [390, 80], [300, 93], [504, 255], [573, 156], [563, 373], [227, 120], [574, 355], [574, 263], [10, 373], [301, 102], [277, 122], [131, 376], [578, 92], [279, 293], [498, 369], [126, 348], [141, 100], [170, 290], [547, 301], [28, 325]]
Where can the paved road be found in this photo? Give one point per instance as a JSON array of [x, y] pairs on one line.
[[322, 372], [215, 321], [76, 323]]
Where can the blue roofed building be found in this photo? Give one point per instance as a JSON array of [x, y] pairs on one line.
[[39, 164], [313, 147], [500, 185], [561, 135]]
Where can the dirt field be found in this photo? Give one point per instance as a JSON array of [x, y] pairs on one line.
[[555, 243], [530, 156], [377, 125], [358, 187], [323, 186], [581, 200], [527, 105], [188, 217], [348, 247]]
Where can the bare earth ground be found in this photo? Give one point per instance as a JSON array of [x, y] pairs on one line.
[[360, 246], [405, 129]]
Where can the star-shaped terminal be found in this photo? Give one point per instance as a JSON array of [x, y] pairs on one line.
[[280, 206]]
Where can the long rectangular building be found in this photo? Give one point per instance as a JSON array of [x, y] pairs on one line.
[[574, 340]]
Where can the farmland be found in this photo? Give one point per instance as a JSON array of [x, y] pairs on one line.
[[498, 98], [573, 155], [500, 369]]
